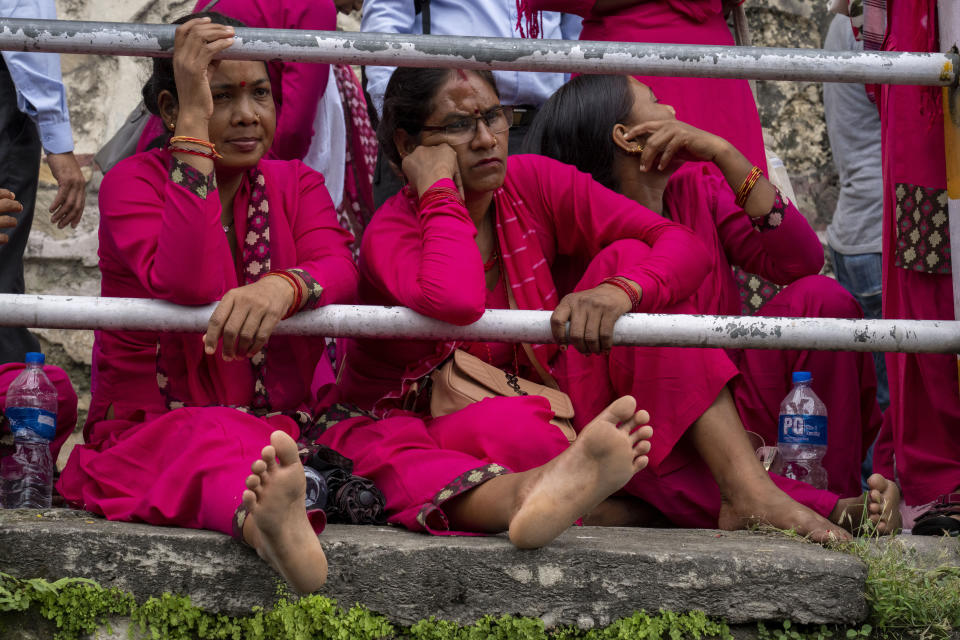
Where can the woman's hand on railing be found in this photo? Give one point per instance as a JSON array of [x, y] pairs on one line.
[[247, 316], [591, 314]]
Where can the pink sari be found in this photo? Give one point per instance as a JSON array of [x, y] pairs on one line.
[[550, 218], [160, 237], [721, 106], [922, 425]]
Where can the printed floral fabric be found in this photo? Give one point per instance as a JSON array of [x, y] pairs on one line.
[[754, 291], [356, 209], [923, 229], [774, 218], [331, 417], [192, 179], [461, 484]]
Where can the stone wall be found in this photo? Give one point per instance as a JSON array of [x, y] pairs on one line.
[[101, 91]]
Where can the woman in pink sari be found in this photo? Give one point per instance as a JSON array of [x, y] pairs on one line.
[[722, 106], [176, 419], [923, 420], [473, 230], [597, 123]]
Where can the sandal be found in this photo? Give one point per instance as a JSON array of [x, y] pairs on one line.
[[937, 520]]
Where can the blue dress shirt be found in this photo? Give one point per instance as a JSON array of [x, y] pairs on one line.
[[40, 91], [488, 18]]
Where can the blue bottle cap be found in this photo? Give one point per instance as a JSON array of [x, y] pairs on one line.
[[35, 357], [801, 376]]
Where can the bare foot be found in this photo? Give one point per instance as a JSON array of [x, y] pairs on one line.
[[768, 505], [606, 454], [880, 505], [277, 525]]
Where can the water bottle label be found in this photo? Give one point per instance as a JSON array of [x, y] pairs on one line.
[[40, 421], [800, 429]]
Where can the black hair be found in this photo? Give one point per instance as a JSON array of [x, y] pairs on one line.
[[162, 78], [408, 101], [575, 125]]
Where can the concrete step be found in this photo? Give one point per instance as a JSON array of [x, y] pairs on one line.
[[589, 576]]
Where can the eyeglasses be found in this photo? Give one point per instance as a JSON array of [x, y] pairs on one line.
[[463, 130]]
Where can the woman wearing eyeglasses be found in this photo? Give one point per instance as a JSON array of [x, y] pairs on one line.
[[474, 230]]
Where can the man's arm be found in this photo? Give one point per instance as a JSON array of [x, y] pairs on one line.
[[385, 16], [42, 97]]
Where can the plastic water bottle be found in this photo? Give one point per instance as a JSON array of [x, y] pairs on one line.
[[802, 439], [26, 477]]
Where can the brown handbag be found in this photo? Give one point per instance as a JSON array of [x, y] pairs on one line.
[[465, 379]]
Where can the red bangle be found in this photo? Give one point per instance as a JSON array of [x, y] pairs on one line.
[[297, 291], [743, 193], [197, 141], [439, 194], [627, 288], [202, 154]]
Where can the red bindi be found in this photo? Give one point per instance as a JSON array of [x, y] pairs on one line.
[[243, 83]]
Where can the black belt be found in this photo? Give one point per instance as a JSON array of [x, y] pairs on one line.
[[523, 114]]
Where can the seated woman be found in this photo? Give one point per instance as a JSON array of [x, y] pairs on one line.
[[614, 128], [474, 230], [177, 419]]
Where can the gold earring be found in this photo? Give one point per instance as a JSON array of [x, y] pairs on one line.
[[172, 125], [636, 150]]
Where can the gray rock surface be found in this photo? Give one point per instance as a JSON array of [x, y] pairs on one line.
[[589, 576]]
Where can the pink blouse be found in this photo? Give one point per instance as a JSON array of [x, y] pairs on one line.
[[159, 239], [699, 197]]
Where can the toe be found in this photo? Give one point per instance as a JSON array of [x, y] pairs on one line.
[[249, 500], [259, 467], [253, 482], [641, 435], [269, 456], [286, 448], [620, 410], [640, 463]]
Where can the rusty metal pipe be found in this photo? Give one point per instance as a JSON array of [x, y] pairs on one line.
[[499, 325], [758, 63]]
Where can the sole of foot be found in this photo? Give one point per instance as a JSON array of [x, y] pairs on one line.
[[772, 507], [277, 525], [880, 506], [603, 458]]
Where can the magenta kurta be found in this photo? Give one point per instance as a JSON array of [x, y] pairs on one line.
[[721, 106], [427, 259], [788, 254], [161, 238], [924, 415]]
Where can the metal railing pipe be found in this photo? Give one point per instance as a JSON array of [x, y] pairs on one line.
[[499, 325], [517, 54]]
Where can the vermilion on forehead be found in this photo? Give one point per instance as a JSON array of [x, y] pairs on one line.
[[465, 94]]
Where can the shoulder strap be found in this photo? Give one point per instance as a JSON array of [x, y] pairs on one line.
[[545, 376], [209, 6]]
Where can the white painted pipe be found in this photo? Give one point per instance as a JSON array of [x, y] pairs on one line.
[[499, 325], [516, 54]]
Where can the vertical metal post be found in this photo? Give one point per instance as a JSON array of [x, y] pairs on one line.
[[949, 18]]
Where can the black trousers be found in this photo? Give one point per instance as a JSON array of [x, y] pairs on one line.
[[386, 183], [20, 151]]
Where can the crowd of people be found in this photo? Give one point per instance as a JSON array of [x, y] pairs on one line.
[[590, 197]]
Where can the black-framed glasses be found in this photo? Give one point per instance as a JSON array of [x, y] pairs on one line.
[[464, 129]]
